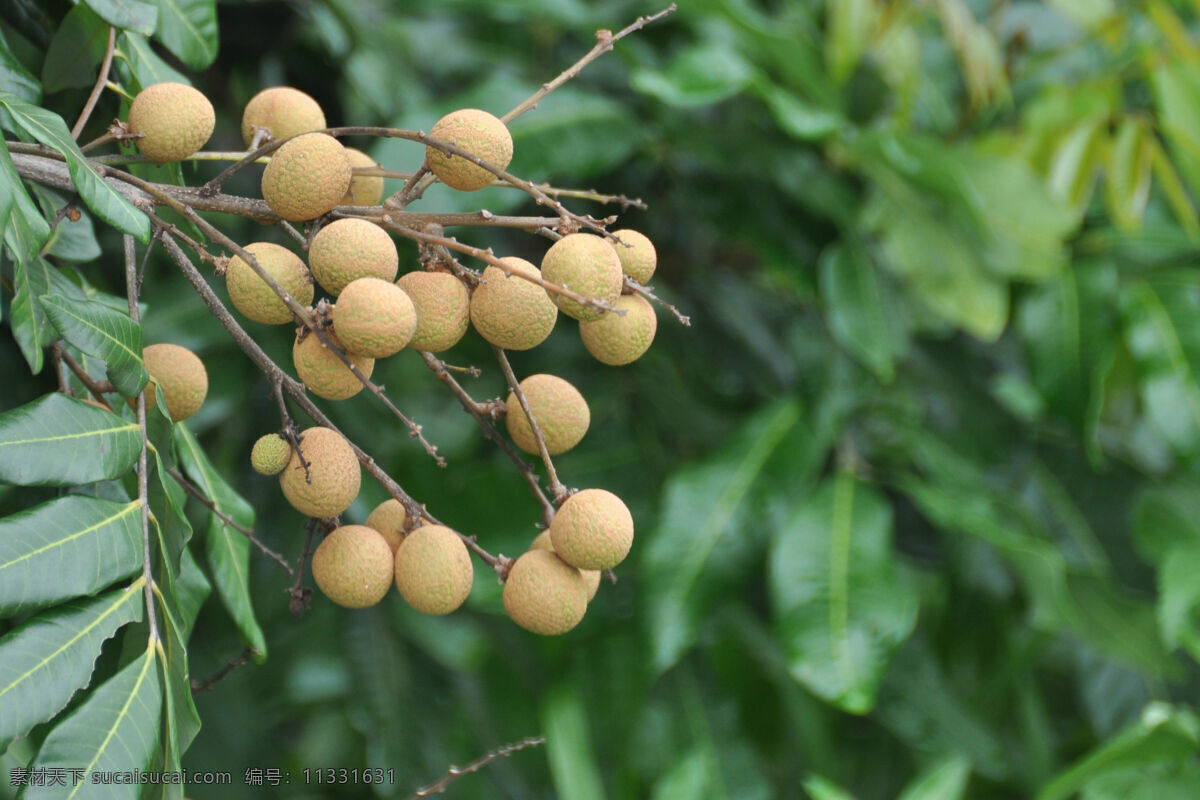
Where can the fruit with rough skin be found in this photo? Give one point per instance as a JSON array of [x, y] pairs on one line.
[[511, 312], [352, 566], [389, 518], [544, 594], [443, 309], [480, 134], [560, 410], [591, 577], [365, 190], [593, 529], [636, 253], [270, 454], [173, 120], [284, 111], [307, 177], [253, 297], [588, 265], [374, 317], [333, 475], [352, 248], [617, 340], [323, 372], [182, 376], [433, 570]]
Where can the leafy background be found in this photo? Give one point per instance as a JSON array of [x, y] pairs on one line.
[[916, 493]]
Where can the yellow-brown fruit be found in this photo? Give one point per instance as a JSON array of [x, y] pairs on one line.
[[270, 454], [636, 253], [480, 134], [353, 566], [511, 312], [365, 190], [323, 372], [284, 111], [591, 577], [333, 474], [443, 309], [174, 121], [545, 594], [253, 297], [352, 248], [614, 339], [593, 529], [560, 411], [433, 570], [389, 518], [182, 376], [374, 317], [587, 265], [307, 177]]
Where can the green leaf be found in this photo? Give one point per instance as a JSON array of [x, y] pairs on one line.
[[861, 316], [167, 498], [47, 658], [61, 441], [1073, 166], [819, 788], [115, 730], [66, 548], [1176, 86], [15, 78], [577, 134], [24, 228], [71, 240], [99, 331], [701, 75], [49, 129], [840, 607], [798, 118], [568, 746], [183, 720], [191, 590], [945, 780], [30, 325], [226, 548], [851, 25], [146, 67], [74, 56], [1130, 164], [188, 28], [1172, 186], [130, 15]]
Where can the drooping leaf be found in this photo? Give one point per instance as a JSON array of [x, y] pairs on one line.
[[167, 498], [15, 78], [1130, 164], [191, 590], [131, 15], [860, 313], [183, 720], [568, 745], [1074, 165], [188, 28], [146, 66], [99, 331], [1176, 85], [73, 58], [851, 25], [61, 441], [798, 118]]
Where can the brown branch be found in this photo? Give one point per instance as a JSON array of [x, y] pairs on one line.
[[301, 595], [97, 388], [476, 765], [626, 203], [632, 286], [94, 97], [557, 489], [220, 675], [407, 192], [416, 219]]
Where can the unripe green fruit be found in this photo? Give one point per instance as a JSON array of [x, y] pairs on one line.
[[433, 570], [587, 265], [365, 190], [374, 317], [593, 529], [253, 297], [545, 594], [323, 372], [182, 376], [352, 248], [591, 577], [389, 518], [443, 309], [636, 253], [480, 134], [352, 566], [284, 111], [616, 340], [511, 312], [174, 119], [333, 474], [307, 177], [560, 411], [270, 454]]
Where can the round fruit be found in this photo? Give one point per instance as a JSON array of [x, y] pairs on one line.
[[636, 253], [352, 248], [282, 110], [545, 594], [511, 312], [593, 529], [353, 566], [333, 474], [587, 265], [443, 309], [174, 121], [323, 372], [307, 177], [433, 570], [253, 297], [365, 190], [560, 411], [389, 518], [182, 376], [270, 454], [591, 577], [374, 317], [480, 134], [614, 339]]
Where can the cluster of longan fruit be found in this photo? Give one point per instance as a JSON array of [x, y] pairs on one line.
[[374, 315]]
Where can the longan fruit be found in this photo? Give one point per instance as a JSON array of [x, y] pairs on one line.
[[174, 121], [307, 177], [253, 297], [374, 317], [588, 265], [544, 594], [617, 340], [182, 376], [593, 529], [270, 454], [443, 309], [334, 476], [326, 375], [480, 134], [433, 570], [511, 312], [559, 408], [352, 566], [284, 111], [351, 248]]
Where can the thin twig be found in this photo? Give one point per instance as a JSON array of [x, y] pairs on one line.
[[647, 292], [557, 489], [476, 765], [300, 594], [220, 675], [626, 203], [97, 388], [94, 97]]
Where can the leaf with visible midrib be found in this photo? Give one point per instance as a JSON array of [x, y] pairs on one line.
[[102, 332], [130, 15], [188, 28], [60, 441]]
